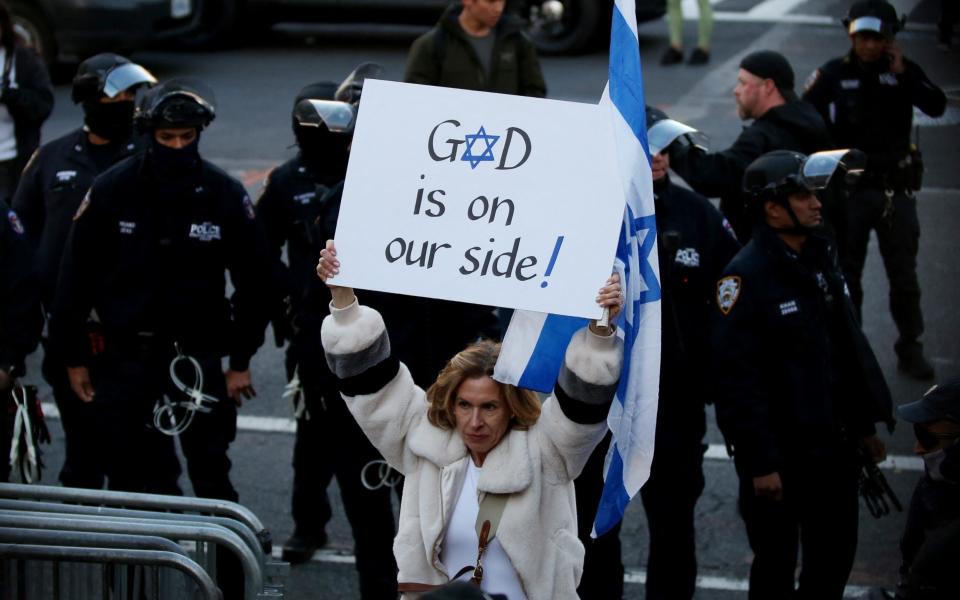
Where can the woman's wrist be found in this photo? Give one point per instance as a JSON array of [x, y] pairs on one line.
[[342, 296], [601, 330]]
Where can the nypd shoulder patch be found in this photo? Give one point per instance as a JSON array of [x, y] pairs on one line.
[[728, 291]]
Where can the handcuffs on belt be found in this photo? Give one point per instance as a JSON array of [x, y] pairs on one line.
[[174, 417]]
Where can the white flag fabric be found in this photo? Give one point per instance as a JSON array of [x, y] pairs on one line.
[[534, 345]]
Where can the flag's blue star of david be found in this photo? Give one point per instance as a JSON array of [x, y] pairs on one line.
[[487, 155], [648, 224]]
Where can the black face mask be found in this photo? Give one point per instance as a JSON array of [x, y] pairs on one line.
[[324, 152], [172, 164], [110, 120]]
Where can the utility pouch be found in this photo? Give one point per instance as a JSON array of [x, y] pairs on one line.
[[911, 169]]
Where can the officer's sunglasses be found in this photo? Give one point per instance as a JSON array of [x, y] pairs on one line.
[[929, 439]]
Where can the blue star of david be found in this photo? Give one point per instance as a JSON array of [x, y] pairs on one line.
[[487, 154], [648, 224]]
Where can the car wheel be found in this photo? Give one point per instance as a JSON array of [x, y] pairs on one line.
[[566, 33], [31, 26], [218, 24]]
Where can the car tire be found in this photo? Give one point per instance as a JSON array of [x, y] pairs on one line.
[[218, 25], [31, 25], [576, 30]]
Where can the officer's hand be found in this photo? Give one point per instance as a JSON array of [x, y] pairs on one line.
[[6, 382], [896, 57], [768, 486], [239, 386], [327, 269], [80, 383], [874, 448]]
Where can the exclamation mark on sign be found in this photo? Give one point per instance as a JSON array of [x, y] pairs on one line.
[[553, 260]]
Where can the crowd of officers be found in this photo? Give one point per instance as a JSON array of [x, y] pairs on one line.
[[123, 234]]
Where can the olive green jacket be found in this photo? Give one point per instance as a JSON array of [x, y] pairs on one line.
[[444, 56]]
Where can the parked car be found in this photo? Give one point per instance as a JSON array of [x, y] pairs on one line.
[[556, 26], [75, 29]]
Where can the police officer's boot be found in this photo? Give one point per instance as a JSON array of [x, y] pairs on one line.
[[299, 547], [913, 363]]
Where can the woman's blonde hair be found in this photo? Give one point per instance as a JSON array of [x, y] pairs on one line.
[[477, 360]]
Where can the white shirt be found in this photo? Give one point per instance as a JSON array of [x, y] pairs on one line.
[[460, 544], [8, 136]]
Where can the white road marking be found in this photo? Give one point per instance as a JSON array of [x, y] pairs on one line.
[[630, 576], [778, 11], [253, 424]]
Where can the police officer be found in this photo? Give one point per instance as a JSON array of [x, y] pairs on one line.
[[147, 254], [51, 188], [867, 98], [695, 244], [298, 208], [20, 316], [764, 93], [797, 388]]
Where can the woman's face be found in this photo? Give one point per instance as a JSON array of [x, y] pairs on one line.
[[482, 415]]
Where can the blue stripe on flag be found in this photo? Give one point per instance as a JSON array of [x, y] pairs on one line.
[[547, 357], [626, 79], [613, 502]]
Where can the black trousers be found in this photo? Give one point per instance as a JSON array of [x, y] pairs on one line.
[[818, 513], [83, 465], [898, 235], [602, 565], [329, 444]]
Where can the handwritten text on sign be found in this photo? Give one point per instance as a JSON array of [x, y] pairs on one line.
[[483, 198]]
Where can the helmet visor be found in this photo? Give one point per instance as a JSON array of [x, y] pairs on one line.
[[125, 77], [663, 133], [339, 117], [352, 86], [818, 168]]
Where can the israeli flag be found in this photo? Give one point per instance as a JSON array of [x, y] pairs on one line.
[[535, 343]]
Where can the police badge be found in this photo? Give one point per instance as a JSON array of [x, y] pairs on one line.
[[728, 290]]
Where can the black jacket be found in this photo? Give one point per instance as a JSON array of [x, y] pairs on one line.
[[51, 188], [870, 108], [791, 126], [695, 244], [20, 315], [152, 263], [795, 376], [444, 56], [30, 103]]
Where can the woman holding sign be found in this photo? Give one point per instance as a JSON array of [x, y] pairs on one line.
[[489, 491]]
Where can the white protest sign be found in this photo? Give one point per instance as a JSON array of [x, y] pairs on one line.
[[483, 198]]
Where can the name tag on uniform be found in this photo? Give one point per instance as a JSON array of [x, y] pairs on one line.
[[304, 198], [688, 257], [127, 227], [889, 79], [850, 84], [789, 307], [205, 232], [66, 176]]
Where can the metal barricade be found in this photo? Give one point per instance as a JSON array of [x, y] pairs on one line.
[[128, 524]]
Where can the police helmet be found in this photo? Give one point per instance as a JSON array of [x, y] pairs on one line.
[[352, 87], [336, 117], [876, 16], [776, 175], [174, 104], [662, 131], [108, 74]]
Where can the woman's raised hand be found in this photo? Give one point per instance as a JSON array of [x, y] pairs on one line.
[[610, 296], [327, 269]]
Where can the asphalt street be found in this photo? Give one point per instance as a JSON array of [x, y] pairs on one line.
[[256, 84]]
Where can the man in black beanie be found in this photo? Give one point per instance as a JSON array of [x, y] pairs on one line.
[[51, 188], [764, 93]]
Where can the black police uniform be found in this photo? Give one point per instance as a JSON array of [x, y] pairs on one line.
[[148, 252], [20, 316], [695, 244], [298, 208], [797, 387], [870, 108], [51, 188], [790, 126]]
